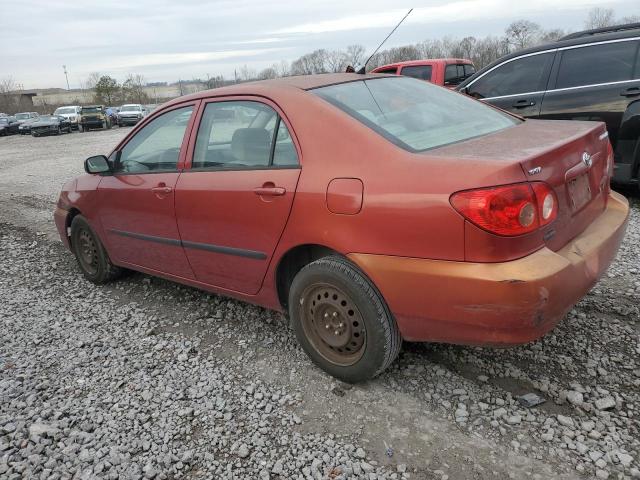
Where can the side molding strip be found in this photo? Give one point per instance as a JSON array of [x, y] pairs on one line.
[[238, 252]]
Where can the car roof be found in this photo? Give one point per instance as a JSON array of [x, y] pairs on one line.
[[426, 61], [580, 38], [277, 85]]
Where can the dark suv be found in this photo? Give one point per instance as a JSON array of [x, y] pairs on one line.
[[590, 75]]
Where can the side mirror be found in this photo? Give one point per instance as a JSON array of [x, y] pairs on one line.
[[97, 164]]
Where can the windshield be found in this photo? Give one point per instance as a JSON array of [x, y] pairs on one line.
[[22, 116], [130, 108], [4, 120], [91, 110], [413, 114], [46, 117], [63, 110]]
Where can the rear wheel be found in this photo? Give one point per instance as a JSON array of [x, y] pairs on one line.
[[90, 254], [342, 321]]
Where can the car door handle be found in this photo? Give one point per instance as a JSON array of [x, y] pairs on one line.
[[270, 191], [630, 92], [162, 189], [523, 103]]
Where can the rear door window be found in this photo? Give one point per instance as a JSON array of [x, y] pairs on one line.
[[594, 64], [522, 75], [422, 72], [240, 135]]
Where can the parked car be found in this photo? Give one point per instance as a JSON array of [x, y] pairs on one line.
[[50, 125], [591, 75], [131, 114], [25, 127], [8, 125], [71, 113], [113, 114], [25, 116], [371, 208], [447, 72], [94, 116]]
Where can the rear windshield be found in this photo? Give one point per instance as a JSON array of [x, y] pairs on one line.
[[91, 109], [413, 114]]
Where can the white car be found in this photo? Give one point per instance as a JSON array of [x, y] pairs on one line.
[[131, 114], [71, 113]]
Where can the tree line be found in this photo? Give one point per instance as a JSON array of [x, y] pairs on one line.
[[520, 34]]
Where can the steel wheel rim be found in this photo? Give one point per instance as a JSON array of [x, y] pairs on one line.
[[333, 324], [87, 252]]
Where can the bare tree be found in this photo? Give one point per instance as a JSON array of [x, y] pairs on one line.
[[522, 34], [267, 73], [548, 36], [630, 19], [487, 50], [467, 47], [314, 62], [354, 55], [133, 89], [247, 73], [9, 100], [282, 68], [336, 61], [599, 18]]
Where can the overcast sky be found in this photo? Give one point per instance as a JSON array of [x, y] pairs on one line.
[[165, 40]]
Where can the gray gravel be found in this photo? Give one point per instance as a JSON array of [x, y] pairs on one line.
[[147, 379]]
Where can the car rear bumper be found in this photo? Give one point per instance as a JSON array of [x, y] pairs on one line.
[[496, 303]]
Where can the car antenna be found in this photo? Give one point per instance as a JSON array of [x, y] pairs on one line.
[[364, 67]]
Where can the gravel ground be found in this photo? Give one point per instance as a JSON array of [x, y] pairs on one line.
[[148, 379]]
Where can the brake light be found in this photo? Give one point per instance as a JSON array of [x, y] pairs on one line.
[[508, 210]]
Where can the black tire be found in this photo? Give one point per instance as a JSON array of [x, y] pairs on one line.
[[349, 287], [90, 254]]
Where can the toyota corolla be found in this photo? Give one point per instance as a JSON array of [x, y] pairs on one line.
[[372, 209]]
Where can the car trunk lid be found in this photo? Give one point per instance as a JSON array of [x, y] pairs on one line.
[[570, 156]]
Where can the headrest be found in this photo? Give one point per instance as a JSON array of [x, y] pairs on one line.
[[251, 146]]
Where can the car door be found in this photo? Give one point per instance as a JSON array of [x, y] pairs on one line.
[[136, 203], [516, 85], [233, 202], [594, 82]]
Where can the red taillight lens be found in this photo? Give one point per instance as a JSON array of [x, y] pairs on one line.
[[508, 210]]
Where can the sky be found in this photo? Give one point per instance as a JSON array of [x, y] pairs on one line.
[[167, 40]]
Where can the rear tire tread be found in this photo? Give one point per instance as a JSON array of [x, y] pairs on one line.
[[393, 338]]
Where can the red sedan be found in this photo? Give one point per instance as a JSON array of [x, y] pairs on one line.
[[372, 209]]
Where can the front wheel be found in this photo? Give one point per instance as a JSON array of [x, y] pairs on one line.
[[90, 254], [342, 321]]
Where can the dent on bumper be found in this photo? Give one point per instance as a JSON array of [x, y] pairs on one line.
[[496, 303]]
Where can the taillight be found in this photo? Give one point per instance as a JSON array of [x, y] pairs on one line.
[[508, 210]]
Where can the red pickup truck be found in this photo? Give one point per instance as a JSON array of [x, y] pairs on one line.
[[447, 72]]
